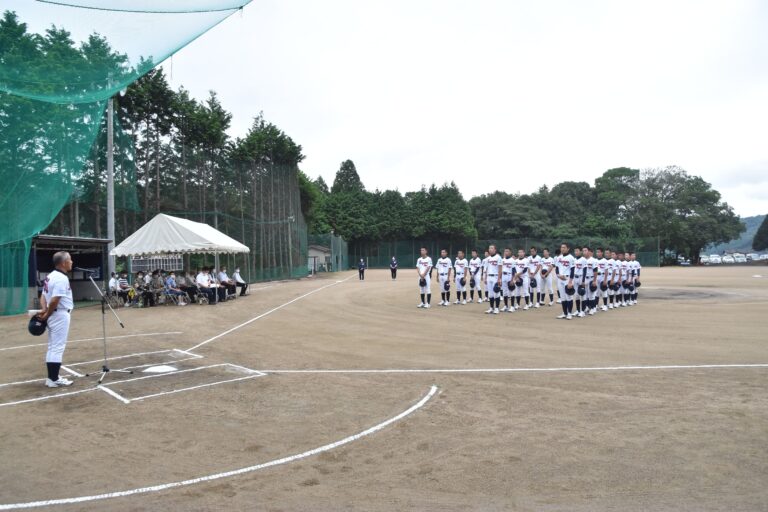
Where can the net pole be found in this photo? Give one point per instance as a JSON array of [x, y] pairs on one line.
[[110, 187]]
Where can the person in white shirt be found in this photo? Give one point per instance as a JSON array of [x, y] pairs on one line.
[[240, 282], [113, 282], [602, 285], [623, 285], [460, 268], [579, 263], [635, 265], [475, 277], [57, 304], [547, 271], [229, 284], [534, 267], [444, 268], [523, 280], [507, 277], [590, 281], [492, 285], [424, 269], [484, 278], [205, 285], [610, 277], [564, 271]]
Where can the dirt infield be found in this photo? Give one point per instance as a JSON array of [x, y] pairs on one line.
[[634, 409]]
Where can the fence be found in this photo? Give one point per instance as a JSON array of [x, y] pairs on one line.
[[379, 254], [336, 257]]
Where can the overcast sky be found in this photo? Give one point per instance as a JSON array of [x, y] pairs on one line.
[[502, 94]]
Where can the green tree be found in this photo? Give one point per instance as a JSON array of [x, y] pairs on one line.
[[760, 242], [347, 179], [322, 186]]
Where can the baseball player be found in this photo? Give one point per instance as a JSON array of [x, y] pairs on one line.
[[623, 276], [393, 268], [635, 265], [484, 279], [602, 264], [534, 267], [460, 269], [522, 279], [630, 279], [475, 277], [610, 276], [507, 275], [578, 264], [424, 268], [590, 279], [564, 271], [444, 268], [545, 278], [492, 285], [56, 302]]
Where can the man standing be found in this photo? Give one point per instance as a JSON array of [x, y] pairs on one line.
[[547, 264], [590, 274], [534, 267], [56, 302], [623, 268], [444, 277], [484, 277], [579, 262], [564, 270], [475, 277], [492, 286], [602, 288], [507, 275], [393, 268], [635, 267], [522, 276], [361, 269], [424, 268], [460, 267], [610, 276]]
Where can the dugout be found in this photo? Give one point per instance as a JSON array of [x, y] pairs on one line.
[[87, 253]]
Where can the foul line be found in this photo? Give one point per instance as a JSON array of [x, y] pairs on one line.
[[217, 476], [266, 313], [94, 339], [521, 370]]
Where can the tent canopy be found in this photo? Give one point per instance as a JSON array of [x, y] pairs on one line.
[[168, 235]]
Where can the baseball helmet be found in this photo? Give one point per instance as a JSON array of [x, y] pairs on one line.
[[36, 326], [582, 290], [496, 288], [592, 287], [447, 286], [422, 282], [472, 283], [463, 282], [533, 283], [519, 281], [570, 290], [604, 286], [511, 285]]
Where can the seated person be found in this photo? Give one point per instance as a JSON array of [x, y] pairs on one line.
[[220, 289], [229, 284], [157, 285], [240, 282], [142, 295], [204, 284], [113, 282], [123, 288], [186, 283], [172, 288]]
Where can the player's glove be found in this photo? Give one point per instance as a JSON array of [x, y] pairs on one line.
[[582, 290], [463, 281], [592, 286], [422, 282], [604, 286], [569, 290], [519, 281], [533, 283], [447, 286], [511, 286], [637, 284], [496, 288]]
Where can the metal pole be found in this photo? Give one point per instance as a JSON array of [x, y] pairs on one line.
[[110, 186]]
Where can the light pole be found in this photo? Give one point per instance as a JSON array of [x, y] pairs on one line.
[[110, 186], [291, 218]]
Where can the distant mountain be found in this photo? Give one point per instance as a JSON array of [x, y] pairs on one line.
[[743, 244]]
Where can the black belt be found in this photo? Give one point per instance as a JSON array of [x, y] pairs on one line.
[[63, 309]]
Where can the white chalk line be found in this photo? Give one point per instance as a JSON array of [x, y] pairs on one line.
[[113, 393], [94, 339], [523, 370], [173, 391], [216, 476], [47, 397], [281, 306], [72, 372]]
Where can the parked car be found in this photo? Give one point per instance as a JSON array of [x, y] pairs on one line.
[[753, 256], [763, 257], [704, 260], [740, 258], [729, 259], [714, 259]]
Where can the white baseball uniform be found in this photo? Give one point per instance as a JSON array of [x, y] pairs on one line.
[[476, 272], [521, 272], [492, 268], [424, 265], [484, 270], [591, 269], [534, 267], [443, 269], [564, 266], [602, 268], [57, 285], [460, 267], [610, 274], [545, 282], [507, 269], [624, 275], [579, 265]]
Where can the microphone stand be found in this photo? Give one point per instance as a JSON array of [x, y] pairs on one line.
[[104, 305]]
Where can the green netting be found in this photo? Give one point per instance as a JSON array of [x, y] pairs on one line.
[[379, 254], [339, 251], [59, 63]]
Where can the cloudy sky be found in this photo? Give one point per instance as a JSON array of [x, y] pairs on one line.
[[500, 94]]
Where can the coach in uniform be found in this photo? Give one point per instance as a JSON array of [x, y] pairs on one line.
[[57, 305]]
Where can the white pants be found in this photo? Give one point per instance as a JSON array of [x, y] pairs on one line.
[[489, 285], [479, 283], [524, 290], [442, 279], [505, 279], [536, 278], [545, 284], [58, 331], [460, 288], [590, 294], [425, 288], [600, 293], [561, 284]]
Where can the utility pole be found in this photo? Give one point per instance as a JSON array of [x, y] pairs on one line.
[[110, 186], [291, 218]]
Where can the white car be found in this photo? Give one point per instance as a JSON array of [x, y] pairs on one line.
[[714, 259], [763, 257], [704, 260], [740, 258], [753, 256], [729, 259]]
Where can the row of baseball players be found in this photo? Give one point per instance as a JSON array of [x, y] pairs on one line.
[[583, 278]]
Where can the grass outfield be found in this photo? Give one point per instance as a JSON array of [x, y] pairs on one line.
[[662, 406]]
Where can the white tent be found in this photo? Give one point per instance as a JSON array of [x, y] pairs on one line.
[[171, 235]]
